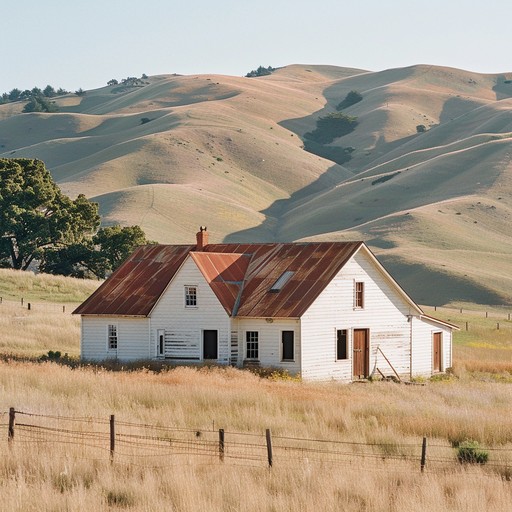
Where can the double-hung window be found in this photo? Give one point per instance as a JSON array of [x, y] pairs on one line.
[[252, 344], [359, 295], [190, 296], [112, 337]]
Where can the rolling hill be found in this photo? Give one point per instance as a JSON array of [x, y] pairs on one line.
[[425, 177]]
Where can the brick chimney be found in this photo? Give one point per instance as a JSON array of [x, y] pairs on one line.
[[202, 238]]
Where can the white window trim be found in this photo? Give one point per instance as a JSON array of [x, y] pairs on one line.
[[160, 332], [245, 347], [347, 342], [185, 293], [109, 349], [356, 307], [281, 347]]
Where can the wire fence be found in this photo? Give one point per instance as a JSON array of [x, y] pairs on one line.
[[160, 446], [45, 307]]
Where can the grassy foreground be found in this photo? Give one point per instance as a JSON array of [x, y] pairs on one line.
[[41, 476]]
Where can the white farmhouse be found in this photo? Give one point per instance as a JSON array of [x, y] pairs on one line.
[[326, 310]]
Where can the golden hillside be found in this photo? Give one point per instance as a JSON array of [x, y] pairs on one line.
[[228, 152]]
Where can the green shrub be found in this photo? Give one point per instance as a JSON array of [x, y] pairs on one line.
[[332, 126], [421, 128], [469, 452], [351, 98]]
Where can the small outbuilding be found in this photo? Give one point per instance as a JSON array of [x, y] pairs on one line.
[[324, 310]]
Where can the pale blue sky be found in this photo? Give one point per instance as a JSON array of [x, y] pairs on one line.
[[74, 44]]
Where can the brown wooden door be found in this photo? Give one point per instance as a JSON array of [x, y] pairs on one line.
[[438, 336], [361, 353]]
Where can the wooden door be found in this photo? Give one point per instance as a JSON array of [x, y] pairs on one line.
[[437, 351], [361, 350], [210, 344]]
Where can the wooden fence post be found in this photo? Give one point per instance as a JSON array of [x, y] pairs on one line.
[[497, 326], [221, 444], [466, 326], [22, 301], [423, 454], [269, 447], [486, 314], [63, 309], [12, 418], [112, 437], [28, 306]]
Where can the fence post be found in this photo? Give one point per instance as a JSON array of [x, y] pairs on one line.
[[22, 301], [28, 306], [112, 437], [63, 309], [12, 418], [221, 444], [466, 326], [423, 454], [486, 314], [269, 447], [497, 326]]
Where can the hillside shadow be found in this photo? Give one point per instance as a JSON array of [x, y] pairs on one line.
[[436, 288], [503, 88], [268, 230]]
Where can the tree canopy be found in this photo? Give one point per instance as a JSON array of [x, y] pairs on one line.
[[38, 223]]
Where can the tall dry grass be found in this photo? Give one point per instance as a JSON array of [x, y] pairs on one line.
[[63, 477]]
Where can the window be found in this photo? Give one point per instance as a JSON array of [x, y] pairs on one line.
[[359, 299], [341, 344], [251, 338], [160, 347], [288, 353], [112, 337], [283, 279], [190, 296]]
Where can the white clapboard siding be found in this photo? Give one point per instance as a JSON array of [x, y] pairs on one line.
[[269, 341], [184, 326], [423, 346], [132, 338], [385, 315]]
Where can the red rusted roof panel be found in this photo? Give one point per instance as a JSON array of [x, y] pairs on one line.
[[134, 288], [225, 272], [237, 273]]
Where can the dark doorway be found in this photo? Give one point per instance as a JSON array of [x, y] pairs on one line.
[[210, 344], [361, 353]]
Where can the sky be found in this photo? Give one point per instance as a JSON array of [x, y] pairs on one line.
[[71, 44]]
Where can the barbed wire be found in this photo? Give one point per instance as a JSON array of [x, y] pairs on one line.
[[140, 444]]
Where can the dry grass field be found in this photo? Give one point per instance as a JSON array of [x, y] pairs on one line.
[[50, 473]]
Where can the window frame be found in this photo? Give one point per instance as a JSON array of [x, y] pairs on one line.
[[160, 343], [283, 359], [112, 337], [337, 341], [253, 352], [359, 294], [190, 297]]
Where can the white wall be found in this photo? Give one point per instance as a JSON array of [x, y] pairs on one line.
[[132, 338], [384, 314], [184, 326], [423, 345], [270, 353]]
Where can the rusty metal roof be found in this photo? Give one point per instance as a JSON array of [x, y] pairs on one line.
[[241, 276], [225, 273]]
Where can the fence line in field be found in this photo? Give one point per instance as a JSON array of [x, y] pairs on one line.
[[30, 305], [158, 446]]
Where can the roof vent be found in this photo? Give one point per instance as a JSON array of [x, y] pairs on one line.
[[285, 276]]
